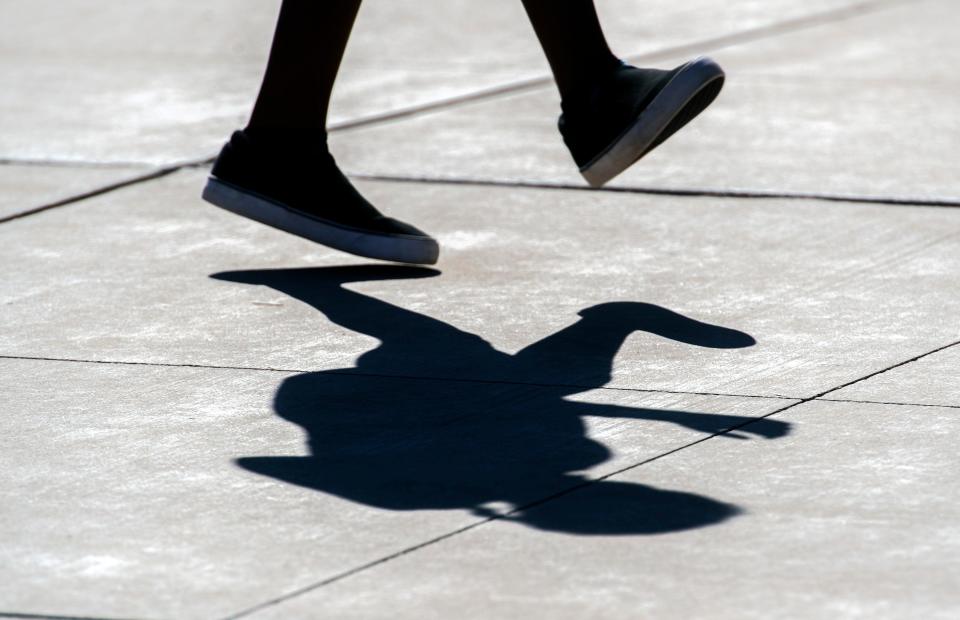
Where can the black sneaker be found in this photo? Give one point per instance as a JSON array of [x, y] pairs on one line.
[[631, 111], [295, 185]]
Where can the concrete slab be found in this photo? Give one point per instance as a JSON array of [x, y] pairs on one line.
[[172, 79], [853, 516], [158, 492], [29, 187], [827, 293], [153, 82], [928, 381], [853, 108]]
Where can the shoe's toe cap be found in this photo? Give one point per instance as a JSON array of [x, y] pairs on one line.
[[391, 226], [402, 242]]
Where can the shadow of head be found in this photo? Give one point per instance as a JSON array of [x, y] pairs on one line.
[[601, 508], [609, 508]]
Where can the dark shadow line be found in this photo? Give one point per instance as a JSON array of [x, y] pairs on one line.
[[905, 201], [586, 484], [69, 360], [371, 375]]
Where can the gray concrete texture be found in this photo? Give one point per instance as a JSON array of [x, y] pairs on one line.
[[866, 287], [610, 404], [28, 188]]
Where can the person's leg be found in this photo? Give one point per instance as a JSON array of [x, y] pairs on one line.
[[308, 46], [613, 113], [278, 170], [570, 34]]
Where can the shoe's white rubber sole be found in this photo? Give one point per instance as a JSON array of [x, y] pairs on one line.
[[397, 248], [690, 91]]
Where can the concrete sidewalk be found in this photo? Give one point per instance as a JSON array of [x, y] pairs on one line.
[[723, 387]]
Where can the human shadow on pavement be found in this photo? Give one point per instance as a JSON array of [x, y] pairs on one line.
[[498, 433]]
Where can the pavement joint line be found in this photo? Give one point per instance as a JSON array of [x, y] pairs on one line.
[[22, 616], [366, 375], [73, 163], [884, 402], [885, 370], [904, 201], [105, 189], [736, 38], [585, 484], [707, 192]]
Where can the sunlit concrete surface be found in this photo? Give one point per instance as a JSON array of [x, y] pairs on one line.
[[27, 188], [866, 285], [725, 387], [929, 381]]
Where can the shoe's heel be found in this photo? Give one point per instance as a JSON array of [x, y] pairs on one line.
[[222, 195], [392, 247]]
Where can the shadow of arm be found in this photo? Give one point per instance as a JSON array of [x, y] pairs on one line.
[[732, 426]]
